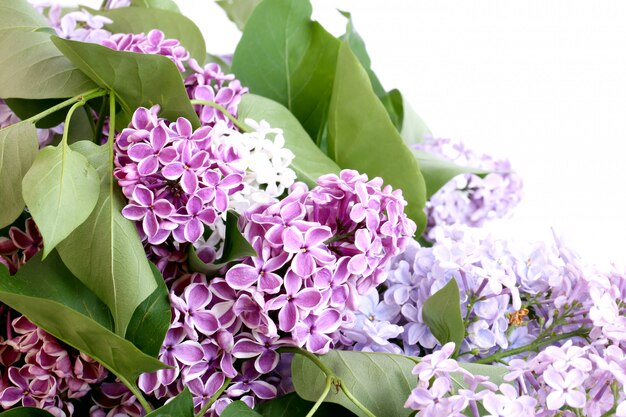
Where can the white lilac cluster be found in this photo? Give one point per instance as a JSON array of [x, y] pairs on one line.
[[469, 198]]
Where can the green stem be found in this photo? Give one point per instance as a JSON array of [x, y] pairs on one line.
[[534, 346], [65, 103], [310, 356], [104, 4], [111, 122], [236, 122], [68, 117], [320, 400], [214, 398], [356, 402]]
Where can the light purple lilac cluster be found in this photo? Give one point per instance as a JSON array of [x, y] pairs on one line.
[[438, 392], [317, 250], [509, 297], [469, 198]]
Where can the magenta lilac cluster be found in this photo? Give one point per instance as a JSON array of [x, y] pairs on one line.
[[316, 251], [176, 178]]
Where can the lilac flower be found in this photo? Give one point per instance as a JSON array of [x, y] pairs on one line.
[[469, 199], [295, 303], [204, 388], [191, 219], [565, 388], [150, 155], [307, 250], [262, 271], [152, 43], [261, 347], [153, 214], [313, 330], [20, 393], [248, 381], [195, 316]]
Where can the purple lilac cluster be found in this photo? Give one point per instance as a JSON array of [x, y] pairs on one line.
[[470, 199], [176, 178], [317, 250]]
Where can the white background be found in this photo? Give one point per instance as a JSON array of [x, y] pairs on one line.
[[540, 82]]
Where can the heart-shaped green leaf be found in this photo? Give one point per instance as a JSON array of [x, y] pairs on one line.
[[60, 190], [442, 314]]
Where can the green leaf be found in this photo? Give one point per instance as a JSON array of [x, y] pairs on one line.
[[286, 57], [442, 314], [291, 405], [18, 149], [151, 319], [52, 298], [381, 382], [50, 280], [438, 171], [238, 11], [239, 409], [60, 190], [137, 79], [105, 252], [393, 104], [31, 66], [236, 247], [414, 129], [180, 406], [156, 4], [362, 137], [357, 45], [26, 412], [309, 162], [173, 24]]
